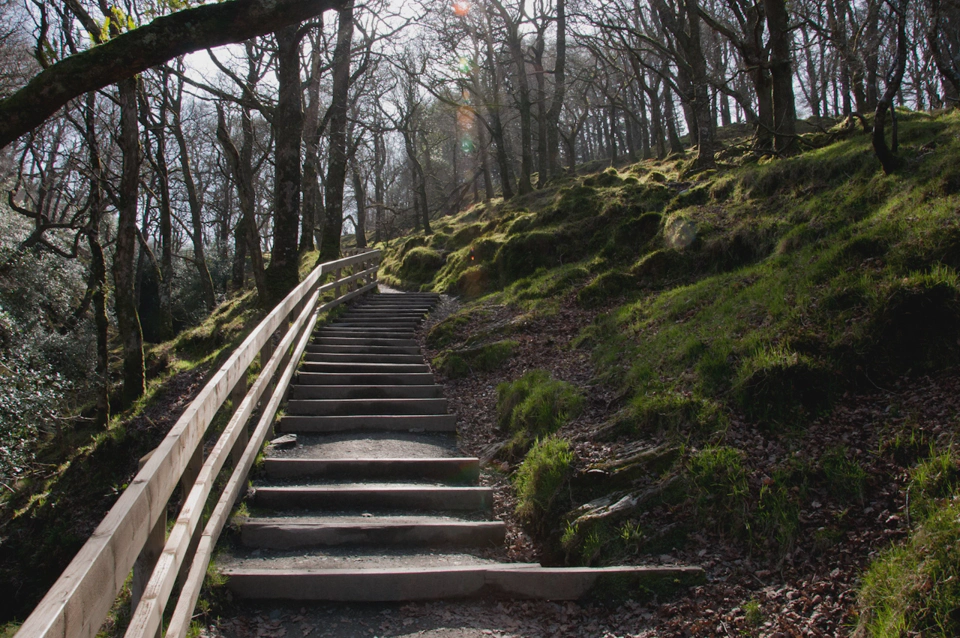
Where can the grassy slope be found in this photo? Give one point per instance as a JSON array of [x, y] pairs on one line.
[[762, 291], [48, 518]]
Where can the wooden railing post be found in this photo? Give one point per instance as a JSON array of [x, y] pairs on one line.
[[147, 559]]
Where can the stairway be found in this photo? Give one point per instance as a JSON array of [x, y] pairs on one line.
[[374, 502]]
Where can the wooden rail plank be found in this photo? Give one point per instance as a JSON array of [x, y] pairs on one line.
[[183, 613], [77, 604], [148, 616]]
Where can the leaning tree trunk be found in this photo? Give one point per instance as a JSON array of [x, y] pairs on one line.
[[128, 321], [337, 164], [283, 273], [888, 158]]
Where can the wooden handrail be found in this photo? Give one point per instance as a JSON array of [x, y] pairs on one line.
[[78, 603]]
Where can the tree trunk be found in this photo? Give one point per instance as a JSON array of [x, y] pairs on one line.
[[312, 197], [241, 166], [939, 42], [379, 164], [337, 163], [283, 273], [781, 74], [676, 146], [196, 209], [359, 194], [128, 322], [515, 44], [496, 123], [888, 159], [559, 92], [164, 320], [97, 281], [542, 170]]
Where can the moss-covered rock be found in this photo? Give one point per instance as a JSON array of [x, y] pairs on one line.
[[605, 288], [466, 361], [420, 264], [777, 385], [659, 267]]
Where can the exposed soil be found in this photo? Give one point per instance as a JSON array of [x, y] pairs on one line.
[[752, 589]]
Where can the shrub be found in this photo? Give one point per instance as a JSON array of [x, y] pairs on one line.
[[47, 357], [545, 470], [534, 406]]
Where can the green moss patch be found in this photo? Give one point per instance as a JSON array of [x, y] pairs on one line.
[[467, 361], [534, 406]]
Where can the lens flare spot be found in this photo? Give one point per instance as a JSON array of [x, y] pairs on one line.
[[465, 65], [461, 9], [467, 145], [465, 118]]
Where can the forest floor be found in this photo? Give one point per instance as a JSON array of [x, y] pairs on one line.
[[808, 591]]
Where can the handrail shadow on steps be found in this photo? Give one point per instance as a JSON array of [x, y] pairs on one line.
[[133, 535]]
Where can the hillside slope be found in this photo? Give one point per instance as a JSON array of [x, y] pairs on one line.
[[751, 368]]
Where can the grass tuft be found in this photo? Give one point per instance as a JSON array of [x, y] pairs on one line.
[[545, 470], [534, 406]]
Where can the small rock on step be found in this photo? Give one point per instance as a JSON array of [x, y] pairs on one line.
[[285, 442]]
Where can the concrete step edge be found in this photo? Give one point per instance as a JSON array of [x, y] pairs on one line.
[[469, 581]]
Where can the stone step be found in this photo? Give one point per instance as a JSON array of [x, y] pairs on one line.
[[388, 308], [375, 322], [366, 341], [372, 330], [372, 445], [461, 471], [350, 357], [500, 581], [295, 423], [396, 531], [371, 313], [356, 349], [354, 368], [373, 326], [367, 496], [363, 333], [358, 407], [363, 378], [385, 315], [365, 391]]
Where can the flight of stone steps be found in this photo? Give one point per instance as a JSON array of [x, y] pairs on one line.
[[374, 502]]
